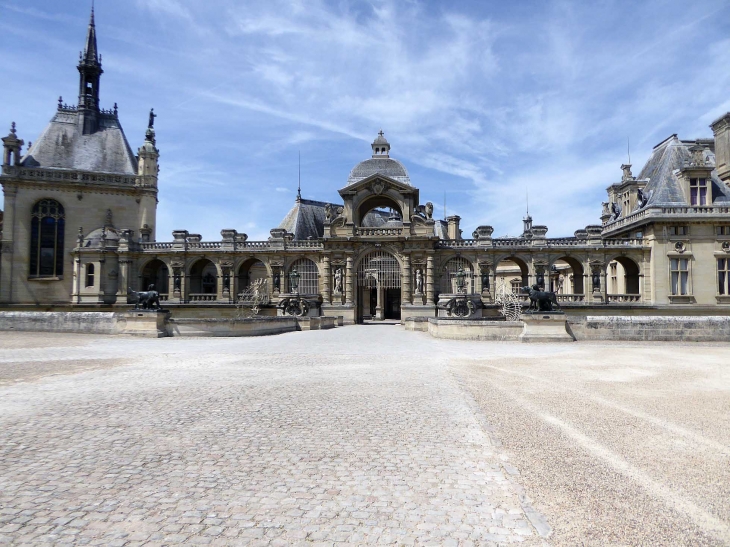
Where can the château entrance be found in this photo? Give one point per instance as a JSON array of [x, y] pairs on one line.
[[378, 288]]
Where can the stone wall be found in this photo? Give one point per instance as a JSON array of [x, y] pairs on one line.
[[254, 326], [74, 322], [651, 328], [480, 329]]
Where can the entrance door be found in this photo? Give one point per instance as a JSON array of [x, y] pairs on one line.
[[378, 274], [392, 303]]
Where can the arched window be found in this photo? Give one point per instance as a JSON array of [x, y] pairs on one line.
[[89, 275], [449, 278], [308, 276], [46, 239]]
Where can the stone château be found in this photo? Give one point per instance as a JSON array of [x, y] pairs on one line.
[[78, 230]]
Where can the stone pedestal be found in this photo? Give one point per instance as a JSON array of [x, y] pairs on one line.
[[151, 323], [548, 326]]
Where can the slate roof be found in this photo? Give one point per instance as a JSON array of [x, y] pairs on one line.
[[662, 170], [306, 220], [62, 145], [388, 167]]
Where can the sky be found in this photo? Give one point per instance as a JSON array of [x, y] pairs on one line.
[[484, 102]]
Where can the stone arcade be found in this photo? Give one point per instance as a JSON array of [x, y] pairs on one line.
[[79, 231]]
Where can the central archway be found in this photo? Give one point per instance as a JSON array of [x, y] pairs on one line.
[[378, 288]]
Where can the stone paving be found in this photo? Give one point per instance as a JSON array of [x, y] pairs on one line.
[[358, 435]]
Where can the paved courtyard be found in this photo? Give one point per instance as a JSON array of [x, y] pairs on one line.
[[361, 435]]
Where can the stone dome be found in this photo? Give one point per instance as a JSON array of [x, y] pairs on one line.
[[93, 238], [388, 167]]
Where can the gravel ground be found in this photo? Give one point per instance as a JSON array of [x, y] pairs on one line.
[[620, 444], [361, 435]]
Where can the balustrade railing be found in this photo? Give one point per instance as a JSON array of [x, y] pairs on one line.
[[379, 231], [623, 298], [570, 297], [149, 246], [202, 297]]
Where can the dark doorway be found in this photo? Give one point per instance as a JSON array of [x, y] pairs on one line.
[[392, 304]]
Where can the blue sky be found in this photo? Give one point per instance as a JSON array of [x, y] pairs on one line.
[[483, 101]]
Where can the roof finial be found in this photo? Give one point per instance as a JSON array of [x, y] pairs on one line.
[[299, 184], [628, 148], [527, 201], [380, 132], [12, 128]]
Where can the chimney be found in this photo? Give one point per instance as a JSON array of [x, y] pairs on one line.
[[453, 227], [721, 129]]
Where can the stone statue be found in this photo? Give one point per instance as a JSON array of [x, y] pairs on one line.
[[461, 281], [294, 280], [429, 210], [146, 299], [615, 210], [277, 281], [419, 281], [485, 281], [642, 198], [151, 123], [541, 300], [596, 281], [328, 212], [176, 281], [338, 280]]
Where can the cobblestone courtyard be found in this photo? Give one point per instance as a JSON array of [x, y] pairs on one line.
[[361, 435]]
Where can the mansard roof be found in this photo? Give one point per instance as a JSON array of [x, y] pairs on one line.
[[62, 145], [663, 168]]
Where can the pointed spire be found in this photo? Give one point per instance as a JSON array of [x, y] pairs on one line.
[[91, 55], [299, 184]]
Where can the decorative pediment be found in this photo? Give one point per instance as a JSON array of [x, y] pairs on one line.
[[378, 184]]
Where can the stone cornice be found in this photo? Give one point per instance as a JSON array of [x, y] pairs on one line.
[[78, 179]]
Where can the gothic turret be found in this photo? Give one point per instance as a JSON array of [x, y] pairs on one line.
[[90, 72]]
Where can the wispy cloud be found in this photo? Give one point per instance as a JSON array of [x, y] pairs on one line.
[[480, 104]]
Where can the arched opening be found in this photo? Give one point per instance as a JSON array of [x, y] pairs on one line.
[[622, 276], [566, 276], [46, 239], [249, 272], [378, 287], [89, 276], [307, 280], [450, 278], [203, 280], [379, 212], [155, 273], [512, 274]]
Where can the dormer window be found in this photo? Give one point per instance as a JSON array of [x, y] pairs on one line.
[[698, 191]]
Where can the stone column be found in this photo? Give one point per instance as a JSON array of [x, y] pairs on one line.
[[407, 275], [429, 279], [326, 280], [349, 281], [379, 315], [9, 235], [124, 266]]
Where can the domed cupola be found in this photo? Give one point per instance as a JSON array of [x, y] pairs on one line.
[[381, 147], [381, 163]]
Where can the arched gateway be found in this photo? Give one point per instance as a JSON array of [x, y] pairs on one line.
[[378, 287]]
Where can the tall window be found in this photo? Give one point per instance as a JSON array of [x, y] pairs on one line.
[[89, 275], [679, 271], [46, 239], [698, 191], [308, 276], [614, 277], [449, 280], [723, 275]]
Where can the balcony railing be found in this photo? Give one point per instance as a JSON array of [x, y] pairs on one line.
[[570, 298], [202, 297], [623, 298], [379, 231]]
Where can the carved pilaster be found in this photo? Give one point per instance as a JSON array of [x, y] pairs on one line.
[[326, 280], [349, 281], [429, 279], [406, 291]]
